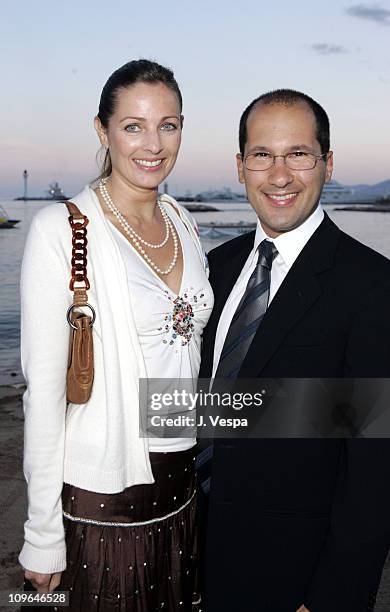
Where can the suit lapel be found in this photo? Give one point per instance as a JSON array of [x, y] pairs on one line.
[[299, 291], [223, 276]]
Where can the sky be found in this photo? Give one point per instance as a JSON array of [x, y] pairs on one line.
[[57, 56]]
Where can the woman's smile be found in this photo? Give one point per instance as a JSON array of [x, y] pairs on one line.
[[149, 165]]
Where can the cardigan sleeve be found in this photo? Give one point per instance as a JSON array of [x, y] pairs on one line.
[[44, 350]]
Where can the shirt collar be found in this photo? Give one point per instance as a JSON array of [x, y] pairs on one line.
[[290, 244]]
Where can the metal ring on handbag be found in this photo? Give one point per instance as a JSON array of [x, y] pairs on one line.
[[70, 309]]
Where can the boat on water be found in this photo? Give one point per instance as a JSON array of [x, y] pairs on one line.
[[54, 194], [221, 195], [215, 230], [193, 207], [336, 193], [5, 221]]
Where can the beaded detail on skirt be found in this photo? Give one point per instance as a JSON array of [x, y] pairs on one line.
[[135, 551], [79, 519]]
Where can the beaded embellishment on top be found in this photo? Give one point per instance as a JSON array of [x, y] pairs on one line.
[[181, 321]]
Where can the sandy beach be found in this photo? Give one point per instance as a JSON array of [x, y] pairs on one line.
[[13, 497], [12, 488]]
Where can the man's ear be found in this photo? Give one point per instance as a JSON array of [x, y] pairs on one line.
[[101, 132], [329, 167], [240, 168]]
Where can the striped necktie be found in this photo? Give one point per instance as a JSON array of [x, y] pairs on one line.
[[245, 322], [249, 314]]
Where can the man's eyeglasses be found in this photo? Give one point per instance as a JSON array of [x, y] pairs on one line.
[[297, 160]]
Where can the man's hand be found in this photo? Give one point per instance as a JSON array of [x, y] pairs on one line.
[[43, 583], [303, 609]]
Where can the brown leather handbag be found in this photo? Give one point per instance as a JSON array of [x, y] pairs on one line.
[[79, 378]]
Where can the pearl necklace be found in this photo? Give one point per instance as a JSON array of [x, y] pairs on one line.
[[138, 240], [126, 225]]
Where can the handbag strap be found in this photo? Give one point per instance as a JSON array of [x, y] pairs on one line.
[[78, 223]]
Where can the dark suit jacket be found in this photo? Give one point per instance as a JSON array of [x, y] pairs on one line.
[[295, 521]]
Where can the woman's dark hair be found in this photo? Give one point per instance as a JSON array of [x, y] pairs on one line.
[[288, 97], [136, 71]]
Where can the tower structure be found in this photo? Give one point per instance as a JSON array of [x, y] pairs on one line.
[[25, 179]]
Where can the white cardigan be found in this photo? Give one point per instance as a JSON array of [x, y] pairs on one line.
[[94, 446]]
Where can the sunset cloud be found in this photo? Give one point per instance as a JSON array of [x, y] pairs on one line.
[[328, 49], [371, 13]]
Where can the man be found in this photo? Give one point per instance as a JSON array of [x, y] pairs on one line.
[[295, 524]]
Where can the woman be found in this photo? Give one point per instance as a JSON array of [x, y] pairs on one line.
[[112, 514]]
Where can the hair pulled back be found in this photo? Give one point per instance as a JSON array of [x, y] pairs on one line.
[[136, 71]]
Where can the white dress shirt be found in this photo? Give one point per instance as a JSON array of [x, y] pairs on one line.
[[289, 245]]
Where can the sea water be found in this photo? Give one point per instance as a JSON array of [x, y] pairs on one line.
[[371, 228]]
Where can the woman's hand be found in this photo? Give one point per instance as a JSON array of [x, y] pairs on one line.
[[43, 583]]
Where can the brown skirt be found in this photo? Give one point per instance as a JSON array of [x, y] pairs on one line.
[[134, 551]]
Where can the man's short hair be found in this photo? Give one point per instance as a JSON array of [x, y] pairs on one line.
[[288, 97]]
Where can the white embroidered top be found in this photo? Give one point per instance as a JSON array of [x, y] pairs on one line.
[[169, 326]]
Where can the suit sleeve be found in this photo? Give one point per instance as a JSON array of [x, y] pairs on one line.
[[351, 562]]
